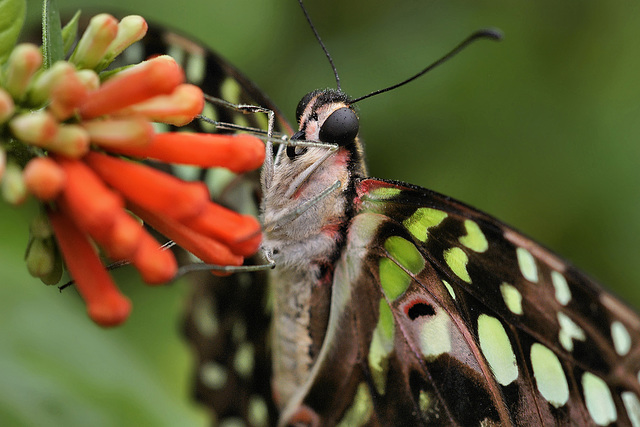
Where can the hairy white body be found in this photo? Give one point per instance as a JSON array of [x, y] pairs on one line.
[[300, 246]]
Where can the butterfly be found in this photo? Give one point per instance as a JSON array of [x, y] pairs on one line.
[[391, 304]]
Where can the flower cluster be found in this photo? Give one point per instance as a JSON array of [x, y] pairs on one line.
[[69, 137]]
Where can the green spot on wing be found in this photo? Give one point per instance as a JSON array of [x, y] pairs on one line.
[[381, 346], [512, 298], [176, 52], [474, 239], [425, 401], [550, 378], [213, 375], [405, 253], [360, 410], [621, 338], [422, 219], [383, 193], [393, 278], [497, 349], [527, 265], [598, 399], [244, 360], [449, 289], [563, 294], [457, 261], [258, 412], [230, 90], [196, 68], [210, 112], [632, 405]]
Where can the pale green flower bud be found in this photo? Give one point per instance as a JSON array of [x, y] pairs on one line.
[[24, 61], [13, 189], [95, 41], [40, 258]]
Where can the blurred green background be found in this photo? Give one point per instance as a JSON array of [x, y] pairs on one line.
[[541, 130]]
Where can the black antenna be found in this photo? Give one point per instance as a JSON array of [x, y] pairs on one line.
[[324, 48], [492, 34]]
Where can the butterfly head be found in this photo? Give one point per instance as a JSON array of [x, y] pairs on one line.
[[326, 116]]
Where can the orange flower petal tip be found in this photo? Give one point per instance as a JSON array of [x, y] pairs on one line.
[[207, 249], [178, 109], [110, 310], [247, 246], [123, 238], [114, 133], [44, 178], [157, 266], [105, 304], [157, 76], [236, 231], [7, 106]]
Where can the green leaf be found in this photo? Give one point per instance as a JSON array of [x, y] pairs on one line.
[[52, 45], [12, 13], [70, 32]]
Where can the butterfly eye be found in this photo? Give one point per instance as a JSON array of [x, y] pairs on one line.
[[341, 127]]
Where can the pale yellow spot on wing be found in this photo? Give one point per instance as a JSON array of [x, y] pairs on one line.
[[435, 335], [632, 405], [549, 375], [474, 239], [527, 264], [258, 412], [512, 298], [621, 338], [598, 399], [213, 375], [209, 112], [563, 294], [195, 69], [176, 52], [497, 349], [244, 360], [569, 331], [457, 261]]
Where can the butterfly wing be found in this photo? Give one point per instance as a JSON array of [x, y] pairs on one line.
[[441, 314]]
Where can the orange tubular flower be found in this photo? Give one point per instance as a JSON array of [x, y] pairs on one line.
[[79, 128]]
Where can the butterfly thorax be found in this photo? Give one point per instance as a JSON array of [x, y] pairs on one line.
[[305, 245]]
